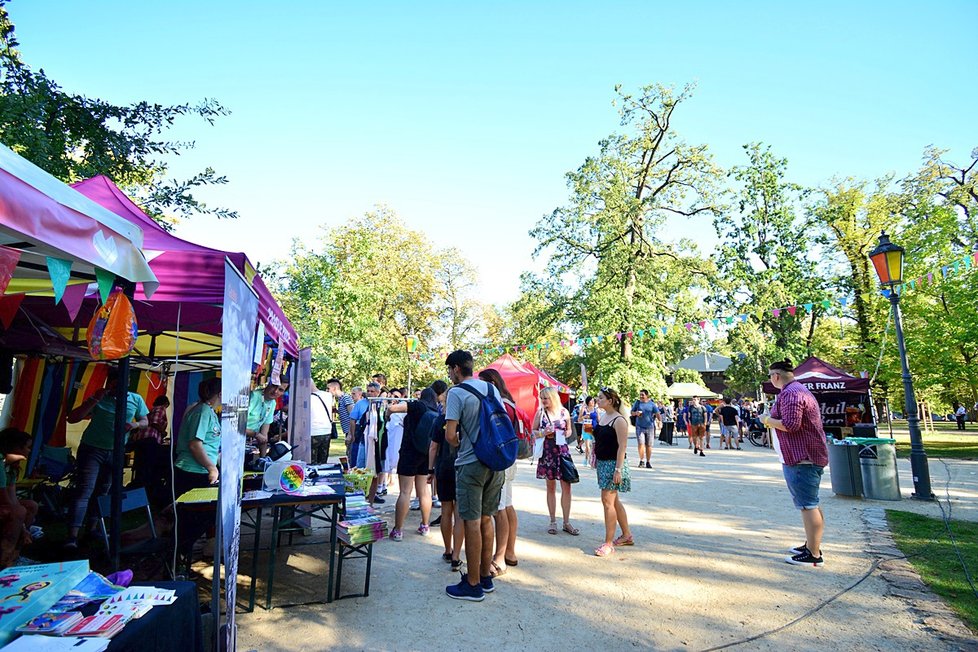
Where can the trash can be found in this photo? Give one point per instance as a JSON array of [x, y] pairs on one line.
[[877, 462], [844, 468]]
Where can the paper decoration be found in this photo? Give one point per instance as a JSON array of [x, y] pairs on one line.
[[292, 478], [776, 312], [73, 297], [8, 263], [60, 271], [9, 305], [792, 310], [105, 282]]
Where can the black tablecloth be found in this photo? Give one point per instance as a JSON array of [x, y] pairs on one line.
[[175, 627]]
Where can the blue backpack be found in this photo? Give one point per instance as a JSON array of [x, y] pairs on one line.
[[497, 444]]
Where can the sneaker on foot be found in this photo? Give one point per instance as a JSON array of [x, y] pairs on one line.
[[436, 503], [423, 530], [465, 591], [378, 500], [396, 535], [797, 550], [457, 566], [415, 504], [437, 520], [487, 586], [805, 558], [702, 454], [641, 464]]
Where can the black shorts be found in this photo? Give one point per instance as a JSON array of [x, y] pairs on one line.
[[410, 461], [446, 484]]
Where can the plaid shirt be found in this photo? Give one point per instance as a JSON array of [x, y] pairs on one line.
[[804, 439]]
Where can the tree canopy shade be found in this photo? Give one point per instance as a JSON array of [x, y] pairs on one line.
[[76, 137]]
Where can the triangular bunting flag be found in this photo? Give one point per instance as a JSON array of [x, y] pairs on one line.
[[944, 271], [703, 324], [826, 304], [887, 293], [729, 320], [689, 326], [60, 271], [743, 318], [665, 330], [809, 307], [957, 265], [716, 322], [930, 277], [967, 261], [641, 334], [73, 297], [630, 334], [912, 284], [8, 263], [618, 336], [8, 308], [776, 312], [844, 301], [792, 310]]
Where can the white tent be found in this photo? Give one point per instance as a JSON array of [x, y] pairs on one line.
[[689, 390]]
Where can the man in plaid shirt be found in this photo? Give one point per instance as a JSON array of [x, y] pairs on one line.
[[798, 419]]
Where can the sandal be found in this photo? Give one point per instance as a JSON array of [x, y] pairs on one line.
[[456, 565], [622, 541], [511, 562], [446, 557], [496, 570], [570, 529], [605, 550], [553, 528]]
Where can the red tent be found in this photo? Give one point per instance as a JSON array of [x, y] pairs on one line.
[[546, 380], [522, 383], [819, 376]]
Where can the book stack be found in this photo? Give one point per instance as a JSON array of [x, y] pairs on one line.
[[53, 623], [362, 524], [362, 530]]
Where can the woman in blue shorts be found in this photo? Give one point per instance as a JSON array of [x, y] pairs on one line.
[[610, 443]]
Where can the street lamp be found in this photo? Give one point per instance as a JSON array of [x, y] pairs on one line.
[[411, 345], [888, 260]]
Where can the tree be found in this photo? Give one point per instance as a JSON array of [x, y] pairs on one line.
[[607, 241], [372, 282], [460, 312], [767, 262], [75, 137]]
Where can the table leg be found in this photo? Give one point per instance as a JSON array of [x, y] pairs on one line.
[[272, 549], [254, 561], [334, 515], [370, 558]]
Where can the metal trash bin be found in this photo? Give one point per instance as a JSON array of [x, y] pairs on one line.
[[844, 467], [877, 462]]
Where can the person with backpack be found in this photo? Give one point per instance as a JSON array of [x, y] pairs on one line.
[[551, 425], [696, 415], [478, 485], [506, 520], [423, 418]]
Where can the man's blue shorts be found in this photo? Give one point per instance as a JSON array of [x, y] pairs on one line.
[[803, 481]]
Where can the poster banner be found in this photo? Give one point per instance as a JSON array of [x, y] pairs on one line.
[[300, 394], [239, 320], [843, 410]]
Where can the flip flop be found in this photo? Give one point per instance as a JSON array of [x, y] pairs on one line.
[[570, 529], [511, 562]]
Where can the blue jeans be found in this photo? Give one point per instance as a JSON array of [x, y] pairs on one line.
[[94, 477], [803, 481]]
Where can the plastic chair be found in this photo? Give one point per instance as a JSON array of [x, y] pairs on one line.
[[132, 501]]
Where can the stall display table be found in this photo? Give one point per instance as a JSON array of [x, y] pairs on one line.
[[353, 551], [175, 627], [321, 501]]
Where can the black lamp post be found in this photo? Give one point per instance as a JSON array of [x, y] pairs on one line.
[[888, 260]]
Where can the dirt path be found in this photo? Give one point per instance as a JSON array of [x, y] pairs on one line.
[[707, 570]]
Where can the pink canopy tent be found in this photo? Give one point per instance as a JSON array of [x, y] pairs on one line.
[[184, 315], [521, 382]]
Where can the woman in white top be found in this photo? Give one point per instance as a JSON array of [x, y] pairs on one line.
[[551, 424]]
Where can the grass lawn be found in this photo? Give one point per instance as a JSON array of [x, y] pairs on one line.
[[945, 442], [938, 563]]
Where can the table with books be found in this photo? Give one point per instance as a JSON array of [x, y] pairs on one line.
[[356, 534], [320, 498], [65, 606]]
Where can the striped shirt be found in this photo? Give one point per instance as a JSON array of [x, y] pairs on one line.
[[803, 439], [343, 405]]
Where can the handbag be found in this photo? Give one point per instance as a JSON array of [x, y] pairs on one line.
[[568, 472]]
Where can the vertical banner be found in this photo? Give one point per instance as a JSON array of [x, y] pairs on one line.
[[238, 332], [300, 393]]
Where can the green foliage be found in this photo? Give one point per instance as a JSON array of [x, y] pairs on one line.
[[372, 282], [681, 375], [609, 269], [75, 137]]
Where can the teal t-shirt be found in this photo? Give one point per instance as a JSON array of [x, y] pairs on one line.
[[100, 428], [200, 422], [260, 411]]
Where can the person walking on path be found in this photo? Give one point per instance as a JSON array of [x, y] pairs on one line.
[[506, 520], [478, 488], [696, 414], [646, 413], [610, 444], [797, 417], [552, 423], [667, 413], [729, 425]]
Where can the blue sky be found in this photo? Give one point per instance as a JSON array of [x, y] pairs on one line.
[[464, 118]]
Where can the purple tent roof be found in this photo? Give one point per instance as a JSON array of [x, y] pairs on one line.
[[191, 280], [188, 273], [819, 376]]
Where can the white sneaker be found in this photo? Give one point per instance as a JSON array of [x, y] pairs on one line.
[[415, 504], [436, 503]]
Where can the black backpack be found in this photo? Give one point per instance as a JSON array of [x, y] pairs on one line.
[[431, 422]]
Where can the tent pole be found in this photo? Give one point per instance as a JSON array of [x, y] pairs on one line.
[[119, 447]]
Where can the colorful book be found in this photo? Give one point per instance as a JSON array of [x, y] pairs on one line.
[[51, 623], [27, 592], [99, 625]]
